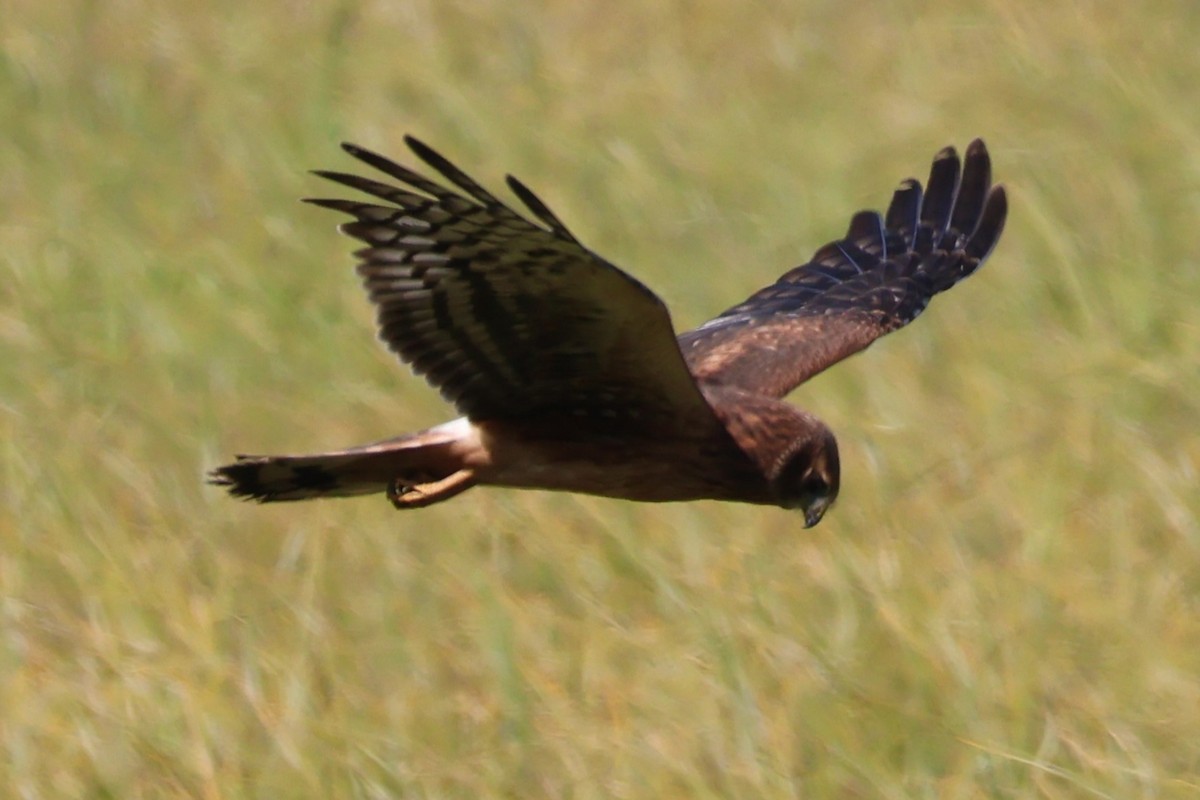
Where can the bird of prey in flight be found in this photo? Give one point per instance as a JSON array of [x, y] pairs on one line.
[[567, 371]]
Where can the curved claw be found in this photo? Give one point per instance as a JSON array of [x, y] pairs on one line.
[[404, 494]]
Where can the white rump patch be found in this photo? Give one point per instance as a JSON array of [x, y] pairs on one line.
[[460, 430]]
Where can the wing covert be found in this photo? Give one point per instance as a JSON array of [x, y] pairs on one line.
[[877, 279]]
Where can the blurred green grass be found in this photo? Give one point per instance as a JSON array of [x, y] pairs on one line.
[[1003, 604]]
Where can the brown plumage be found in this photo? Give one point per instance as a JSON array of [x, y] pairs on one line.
[[568, 371]]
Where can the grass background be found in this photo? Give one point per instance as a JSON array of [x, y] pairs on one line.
[[1005, 603]]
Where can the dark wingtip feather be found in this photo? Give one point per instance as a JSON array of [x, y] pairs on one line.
[[904, 212], [360, 152], [344, 178], [426, 153], [374, 188], [991, 224], [538, 208], [865, 225], [416, 145], [977, 150], [940, 192], [973, 189], [446, 168], [390, 168], [381, 163], [347, 206], [442, 165]]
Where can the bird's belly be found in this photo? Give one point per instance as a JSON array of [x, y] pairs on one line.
[[651, 471], [633, 481]]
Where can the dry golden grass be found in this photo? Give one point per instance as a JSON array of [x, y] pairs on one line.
[[1006, 602]]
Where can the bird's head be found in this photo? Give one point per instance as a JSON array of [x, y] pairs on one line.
[[809, 475]]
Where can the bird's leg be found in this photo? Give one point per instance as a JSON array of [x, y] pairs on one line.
[[405, 494]]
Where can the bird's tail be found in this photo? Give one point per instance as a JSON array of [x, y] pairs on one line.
[[414, 470]]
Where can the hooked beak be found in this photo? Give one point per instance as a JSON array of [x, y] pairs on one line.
[[813, 514]]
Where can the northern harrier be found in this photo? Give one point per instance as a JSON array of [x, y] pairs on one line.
[[568, 372]]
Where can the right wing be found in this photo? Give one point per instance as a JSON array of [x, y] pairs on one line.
[[877, 279]]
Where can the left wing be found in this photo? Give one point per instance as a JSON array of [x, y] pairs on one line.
[[508, 318], [877, 279]]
